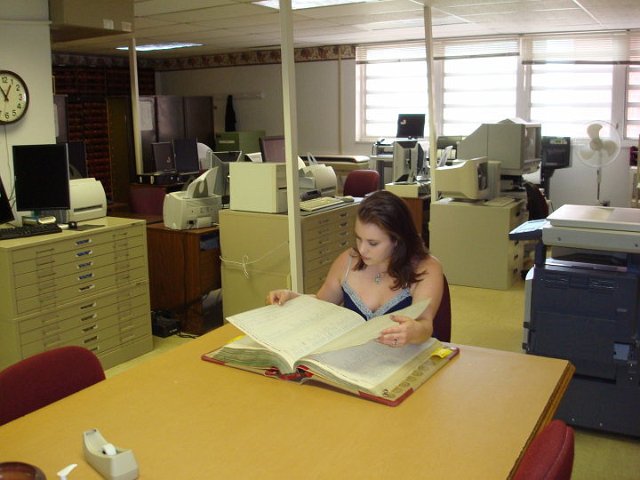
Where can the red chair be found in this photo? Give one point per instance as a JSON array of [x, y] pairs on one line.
[[361, 182], [442, 320], [44, 378], [550, 454]]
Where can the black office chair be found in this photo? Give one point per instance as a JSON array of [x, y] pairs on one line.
[[442, 319], [536, 202]]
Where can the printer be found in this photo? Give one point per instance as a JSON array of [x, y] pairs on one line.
[[194, 207], [87, 199], [582, 304], [318, 177]]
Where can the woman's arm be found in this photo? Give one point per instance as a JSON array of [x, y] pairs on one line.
[[420, 329]]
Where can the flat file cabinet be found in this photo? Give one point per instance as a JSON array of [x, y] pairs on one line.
[[255, 252], [472, 242], [78, 287]]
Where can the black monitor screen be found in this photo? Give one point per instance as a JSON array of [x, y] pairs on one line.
[[41, 177], [410, 125], [556, 152], [6, 213], [77, 160], [163, 156], [272, 149], [186, 155]]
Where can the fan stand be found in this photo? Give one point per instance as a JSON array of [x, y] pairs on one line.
[[598, 181]]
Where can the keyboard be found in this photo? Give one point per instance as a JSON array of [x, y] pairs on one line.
[[319, 203], [499, 202], [29, 231]]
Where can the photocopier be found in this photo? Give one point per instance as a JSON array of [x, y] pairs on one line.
[[582, 304]]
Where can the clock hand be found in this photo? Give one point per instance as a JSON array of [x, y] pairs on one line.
[[5, 94]]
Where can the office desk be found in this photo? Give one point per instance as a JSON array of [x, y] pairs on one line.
[[186, 418]]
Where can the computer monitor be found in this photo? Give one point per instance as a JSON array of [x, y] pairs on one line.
[[6, 212], [163, 157], [556, 152], [421, 168], [405, 160], [464, 179], [410, 125], [77, 160], [41, 177], [222, 161], [513, 142], [185, 152], [272, 149]]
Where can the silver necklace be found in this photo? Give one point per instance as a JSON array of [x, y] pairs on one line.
[[378, 277]]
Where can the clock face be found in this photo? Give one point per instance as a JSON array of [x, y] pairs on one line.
[[14, 97]]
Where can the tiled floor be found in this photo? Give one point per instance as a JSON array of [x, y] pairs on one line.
[[493, 319]]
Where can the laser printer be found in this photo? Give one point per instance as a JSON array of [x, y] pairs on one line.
[[194, 207], [87, 199], [581, 304]]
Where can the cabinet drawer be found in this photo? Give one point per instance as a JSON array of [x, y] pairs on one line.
[[109, 241], [32, 298], [81, 266], [93, 340], [87, 311], [79, 279]]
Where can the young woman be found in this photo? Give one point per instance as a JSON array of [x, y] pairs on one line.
[[388, 269]]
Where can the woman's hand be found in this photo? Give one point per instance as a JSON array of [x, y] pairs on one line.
[[405, 332], [279, 297]]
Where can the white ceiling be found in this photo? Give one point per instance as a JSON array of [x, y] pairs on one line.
[[232, 25]]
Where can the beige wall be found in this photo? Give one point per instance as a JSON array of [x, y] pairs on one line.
[[25, 48]]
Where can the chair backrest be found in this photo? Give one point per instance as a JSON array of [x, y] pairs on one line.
[[442, 320], [536, 202], [550, 454], [361, 182], [44, 378]]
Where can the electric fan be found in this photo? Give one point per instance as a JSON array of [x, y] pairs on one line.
[[599, 149]]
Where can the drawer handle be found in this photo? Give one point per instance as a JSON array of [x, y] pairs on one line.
[[84, 241], [90, 339], [127, 338], [88, 305], [90, 328], [52, 342], [50, 331], [47, 284], [41, 273], [89, 317], [44, 261], [86, 276], [84, 265], [47, 251], [86, 288], [84, 253]]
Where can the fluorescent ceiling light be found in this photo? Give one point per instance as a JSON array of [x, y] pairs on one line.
[[151, 47], [300, 4]]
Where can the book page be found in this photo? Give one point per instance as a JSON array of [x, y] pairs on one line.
[[369, 364], [298, 327], [371, 330]]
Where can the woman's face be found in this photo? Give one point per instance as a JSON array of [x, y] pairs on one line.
[[374, 244]]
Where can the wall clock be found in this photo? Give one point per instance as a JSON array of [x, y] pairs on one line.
[[14, 97]]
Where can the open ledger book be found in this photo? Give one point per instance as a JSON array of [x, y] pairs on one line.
[[307, 338]]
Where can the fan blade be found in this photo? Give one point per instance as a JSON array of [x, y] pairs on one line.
[[610, 147], [593, 130], [586, 153]]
